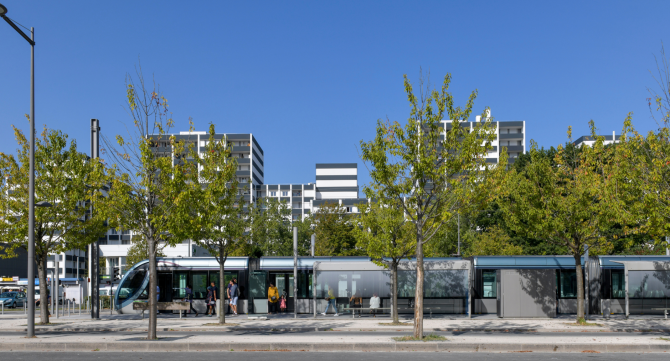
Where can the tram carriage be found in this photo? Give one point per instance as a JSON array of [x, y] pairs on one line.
[[509, 286]]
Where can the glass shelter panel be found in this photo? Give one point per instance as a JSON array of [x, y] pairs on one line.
[[649, 284]]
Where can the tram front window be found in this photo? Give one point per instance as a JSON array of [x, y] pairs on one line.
[[132, 284]]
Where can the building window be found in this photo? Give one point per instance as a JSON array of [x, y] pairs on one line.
[[297, 193], [284, 193], [273, 194], [518, 130]]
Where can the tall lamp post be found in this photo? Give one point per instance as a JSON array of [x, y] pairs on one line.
[[31, 189]]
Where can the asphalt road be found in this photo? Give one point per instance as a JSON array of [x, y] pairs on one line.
[[322, 356]]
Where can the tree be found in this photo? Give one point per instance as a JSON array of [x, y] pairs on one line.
[[570, 201], [387, 237], [427, 171], [139, 251], [149, 192], [271, 231], [648, 157], [67, 181], [218, 220], [493, 242], [333, 228]]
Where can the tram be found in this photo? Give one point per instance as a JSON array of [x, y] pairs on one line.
[[509, 286]]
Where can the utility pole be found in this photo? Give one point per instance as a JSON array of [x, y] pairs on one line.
[[295, 272], [95, 247]]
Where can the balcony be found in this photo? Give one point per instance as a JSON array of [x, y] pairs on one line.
[[512, 148], [511, 136]]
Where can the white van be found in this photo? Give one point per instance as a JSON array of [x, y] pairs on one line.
[[60, 295]]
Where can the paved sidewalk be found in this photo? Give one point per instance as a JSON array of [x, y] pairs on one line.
[[330, 341], [111, 323]]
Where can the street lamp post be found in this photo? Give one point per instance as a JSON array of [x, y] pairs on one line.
[[31, 189]]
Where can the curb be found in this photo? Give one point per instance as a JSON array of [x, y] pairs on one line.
[[161, 346], [333, 329]]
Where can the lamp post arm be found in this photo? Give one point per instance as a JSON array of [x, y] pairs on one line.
[[10, 22]]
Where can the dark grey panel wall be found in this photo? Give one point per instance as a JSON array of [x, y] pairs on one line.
[[529, 293]]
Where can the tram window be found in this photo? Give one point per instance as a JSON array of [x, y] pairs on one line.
[[489, 287], [648, 284], [618, 284], [568, 284], [214, 277], [304, 284], [199, 284], [132, 284], [179, 281]]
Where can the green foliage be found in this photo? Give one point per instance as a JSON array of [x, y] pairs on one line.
[[493, 242], [645, 160], [387, 237], [571, 201], [428, 172], [68, 181], [139, 251], [333, 227], [150, 192]]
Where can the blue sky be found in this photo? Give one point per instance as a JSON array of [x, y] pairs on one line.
[[310, 79]]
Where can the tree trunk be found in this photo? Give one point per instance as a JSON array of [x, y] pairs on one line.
[[222, 286], [418, 296], [580, 285], [44, 288], [153, 284], [394, 291]]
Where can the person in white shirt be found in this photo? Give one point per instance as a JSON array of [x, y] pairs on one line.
[[374, 303]]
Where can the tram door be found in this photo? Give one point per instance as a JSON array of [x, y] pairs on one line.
[[165, 285], [284, 283]]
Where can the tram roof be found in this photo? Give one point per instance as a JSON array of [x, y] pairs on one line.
[[607, 261], [201, 262], [277, 263], [513, 262], [282, 263]]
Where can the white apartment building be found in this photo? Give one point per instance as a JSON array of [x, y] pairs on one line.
[[590, 140]]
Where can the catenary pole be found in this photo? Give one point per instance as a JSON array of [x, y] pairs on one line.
[[95, 249], [295, 272]]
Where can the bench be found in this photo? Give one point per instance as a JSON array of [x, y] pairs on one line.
[[163, 306], [665, 311], [353, 310]]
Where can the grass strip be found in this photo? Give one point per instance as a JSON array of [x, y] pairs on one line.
[[429, 337]]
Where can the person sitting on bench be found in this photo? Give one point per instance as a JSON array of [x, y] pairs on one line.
[[374, 304], [356, 301]]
